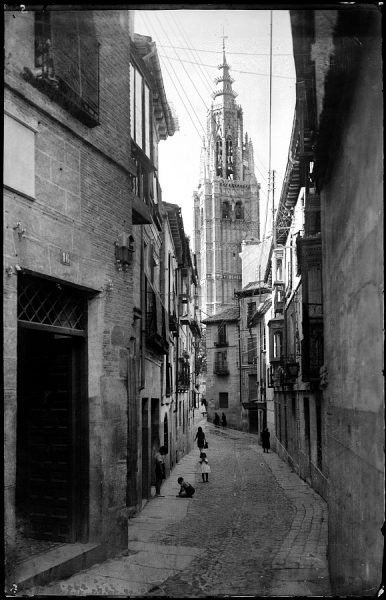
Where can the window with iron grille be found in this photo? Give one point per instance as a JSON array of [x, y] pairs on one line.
[[50, 304], [223, 400], [220, 363], [221, 335]]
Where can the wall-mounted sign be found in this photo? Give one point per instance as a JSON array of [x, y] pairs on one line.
[[65, 257]]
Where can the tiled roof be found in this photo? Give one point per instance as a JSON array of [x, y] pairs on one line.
[[229, 314], [255, 285]]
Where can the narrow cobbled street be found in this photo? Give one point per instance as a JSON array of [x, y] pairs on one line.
[[255, 529]]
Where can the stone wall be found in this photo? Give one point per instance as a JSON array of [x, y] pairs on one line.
[[352, 233], [81, 205]]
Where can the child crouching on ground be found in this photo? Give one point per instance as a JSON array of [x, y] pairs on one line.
[[205, 467], [186, 489]]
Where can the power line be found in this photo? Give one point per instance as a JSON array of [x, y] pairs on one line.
[[233, 70], [179, 95], [229, 53], [188, 74], [203, 74]]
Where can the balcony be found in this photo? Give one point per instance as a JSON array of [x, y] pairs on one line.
[[70, 80], [221, 370], [312, 343], [284, 371], [309, 251], [143, 182], [221, 343], [278, 299], [183, 375], [155, 322]]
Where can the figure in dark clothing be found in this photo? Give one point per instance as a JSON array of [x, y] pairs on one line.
[[265, 437], [186, 489], [216, 419], [200, 437], [160, 473], [223, 420]]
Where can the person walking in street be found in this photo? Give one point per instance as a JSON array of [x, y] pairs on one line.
[[216, 419], [265, 437], [223, 420], [200, 437], [205, 467], [159, 469], [186, 489]]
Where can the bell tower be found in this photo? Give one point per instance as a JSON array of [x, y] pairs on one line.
[[226, 204]]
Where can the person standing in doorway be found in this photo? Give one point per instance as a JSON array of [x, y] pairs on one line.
[[160, 473], [216, 419], [223, 420], [265, 438], [200, 437]]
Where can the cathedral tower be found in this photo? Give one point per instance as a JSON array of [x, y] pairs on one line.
[[226, 204]]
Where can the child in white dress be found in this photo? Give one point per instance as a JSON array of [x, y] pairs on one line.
[[205, 467]]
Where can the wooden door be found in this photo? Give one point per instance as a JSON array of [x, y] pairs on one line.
[[47, 396]]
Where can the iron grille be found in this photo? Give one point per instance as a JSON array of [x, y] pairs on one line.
[[49, 303]]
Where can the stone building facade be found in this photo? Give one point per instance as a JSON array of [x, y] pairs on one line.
[[222, 367], [327, 277], [226, 204], [88, 344], [345, 48]]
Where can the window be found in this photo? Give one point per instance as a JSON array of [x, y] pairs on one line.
[[220, 364], [251, 309], [277, 338], [239, 210], [279, 269], [222, 334], [223, 400], [67, 62], [229, 159], [219, 157], [251, 350], [140, 114], [252, 388], [19, 156], [226, 210]]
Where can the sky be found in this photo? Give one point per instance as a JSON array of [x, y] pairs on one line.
[[189, 45]]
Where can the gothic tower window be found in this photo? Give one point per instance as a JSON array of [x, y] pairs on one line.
[[229, 157], [239, 211], [219, 157], [226, 210]]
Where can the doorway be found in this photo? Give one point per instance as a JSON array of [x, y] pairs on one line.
[[253, 421], [52, 440], [145, 449]]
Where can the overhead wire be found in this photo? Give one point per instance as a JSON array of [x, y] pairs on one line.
[[230, 53], [234, 70], [269, 146], [173, 80], [168, 58], [204, 76], [181, 62]]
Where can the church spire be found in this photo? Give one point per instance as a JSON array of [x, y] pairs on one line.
[[224, 81]]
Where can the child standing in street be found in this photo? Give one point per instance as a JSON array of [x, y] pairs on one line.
[[205, 467]]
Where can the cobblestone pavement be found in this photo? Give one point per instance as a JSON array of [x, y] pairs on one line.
[[255, 529]]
